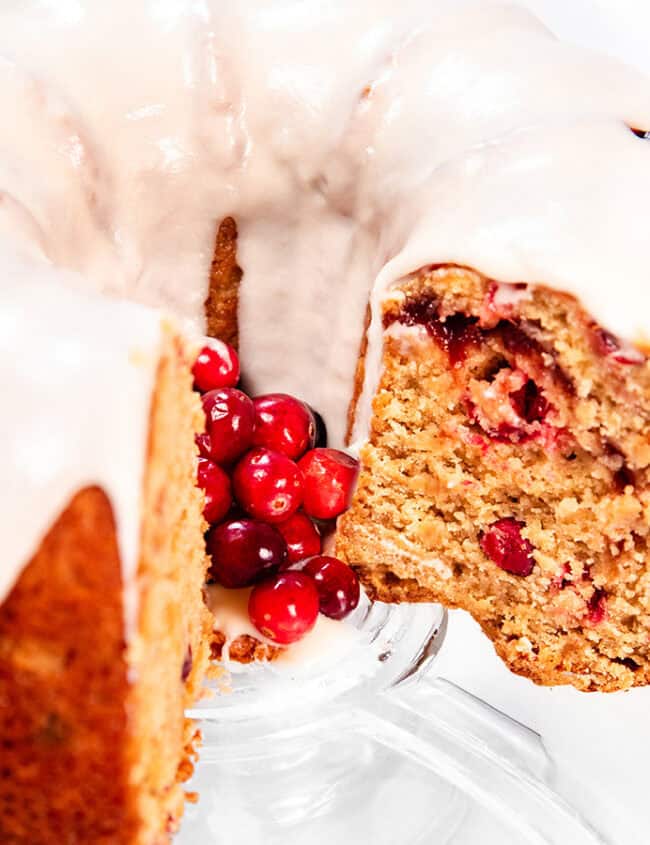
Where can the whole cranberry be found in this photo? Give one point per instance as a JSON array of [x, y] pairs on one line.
[[337, 585], [268, 485], [284, 424], [218, 491], [301, 536], [503, 543], [229, 423], [329, 478], [284, 607], [242, 550], [216, 365]]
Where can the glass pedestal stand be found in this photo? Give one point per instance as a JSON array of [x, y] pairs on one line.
[[369, 746]]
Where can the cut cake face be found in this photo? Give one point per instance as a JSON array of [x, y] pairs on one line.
[[507, 474]]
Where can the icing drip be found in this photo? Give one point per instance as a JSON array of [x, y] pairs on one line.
[[230, 610], [76, 410], [353, 143], [328, 639]]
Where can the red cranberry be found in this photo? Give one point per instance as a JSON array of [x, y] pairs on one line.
[[503, 544], [218, 492], [301, 536], [613, 347], [529, 402], [217, 365], [242, 550], [597, 607], [285, 607], [329, 479], [186, 668], [268, 485], [230, 418], [284, 424], [454, 333], [337, 585]]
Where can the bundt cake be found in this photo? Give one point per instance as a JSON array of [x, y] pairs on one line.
[[104, 636], [437, 240]]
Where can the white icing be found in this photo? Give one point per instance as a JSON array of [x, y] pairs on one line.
[[75, 411], [230, 611], [328, 639], [507, 296], [407, 336], [353, 143], [327, 642]]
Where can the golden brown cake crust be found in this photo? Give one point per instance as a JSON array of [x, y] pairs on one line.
[[448, 459], [63, 688], [221, 320], [359, 375], [223, 291], [169, 654], [94, 742]]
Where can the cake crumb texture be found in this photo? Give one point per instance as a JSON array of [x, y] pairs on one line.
[[506, 473], [170, 654], [244, 649]]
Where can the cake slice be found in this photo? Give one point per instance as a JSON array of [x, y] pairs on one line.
[[506, 473], [104, 635]]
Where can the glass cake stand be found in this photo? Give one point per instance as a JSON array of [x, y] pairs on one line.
[[369, 745]]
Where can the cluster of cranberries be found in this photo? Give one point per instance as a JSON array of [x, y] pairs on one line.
[[269, 491]]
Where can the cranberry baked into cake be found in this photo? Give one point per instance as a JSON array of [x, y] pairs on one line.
[[507, 474]]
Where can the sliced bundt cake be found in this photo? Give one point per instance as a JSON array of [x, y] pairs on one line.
[[104, 635], [507, 473]]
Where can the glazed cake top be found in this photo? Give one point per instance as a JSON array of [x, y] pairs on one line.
[[353, 143]]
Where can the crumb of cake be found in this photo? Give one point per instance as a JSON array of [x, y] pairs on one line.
[[509, 444], [244, 649]]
